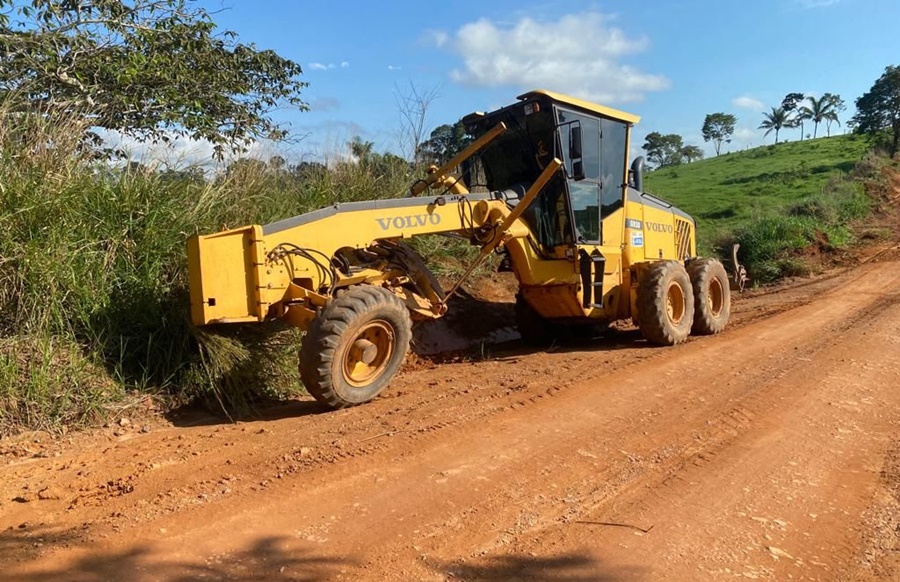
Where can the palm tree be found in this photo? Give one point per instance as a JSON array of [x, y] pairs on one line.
[[819, 110], [838, 105], [775, 121]]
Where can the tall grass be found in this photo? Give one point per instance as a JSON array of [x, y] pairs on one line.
[[93, 282]]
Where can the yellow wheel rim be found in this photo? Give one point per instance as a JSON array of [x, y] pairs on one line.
[[715, 299], [368, 353], [675, 303]]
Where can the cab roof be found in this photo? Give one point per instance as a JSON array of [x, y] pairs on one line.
[[581, 104]]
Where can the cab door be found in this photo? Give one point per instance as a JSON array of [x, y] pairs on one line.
[[595, 167]]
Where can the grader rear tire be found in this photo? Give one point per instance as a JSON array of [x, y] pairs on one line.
[[355, 346], [665, 303], [712, 296]]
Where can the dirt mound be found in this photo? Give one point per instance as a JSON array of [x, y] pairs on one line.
[[482, 312]]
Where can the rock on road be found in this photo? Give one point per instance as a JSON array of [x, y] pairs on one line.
[[770, 452]]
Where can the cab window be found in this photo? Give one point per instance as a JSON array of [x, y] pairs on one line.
[[584, 195], [612, 165]]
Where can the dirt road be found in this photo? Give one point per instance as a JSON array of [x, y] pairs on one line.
[[771, 452]]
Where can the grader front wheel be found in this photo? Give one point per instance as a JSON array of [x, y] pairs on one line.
[[355, 346]]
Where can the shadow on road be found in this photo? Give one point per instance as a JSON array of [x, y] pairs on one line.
[[562, 568], [195, 415], [272, 559]]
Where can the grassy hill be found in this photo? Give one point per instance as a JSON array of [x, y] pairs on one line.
[[773, 199]]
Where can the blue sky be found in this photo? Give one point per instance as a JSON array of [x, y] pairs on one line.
[[671, 62]]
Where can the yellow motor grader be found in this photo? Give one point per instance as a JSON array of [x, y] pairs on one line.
[[546, 183]]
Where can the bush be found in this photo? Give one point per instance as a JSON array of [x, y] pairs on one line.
[[769, 243], [766, 241]]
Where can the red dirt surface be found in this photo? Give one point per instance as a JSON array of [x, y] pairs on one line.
[[769, 452]]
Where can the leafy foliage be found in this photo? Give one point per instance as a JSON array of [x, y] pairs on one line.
[[878, 110], [379, 166], [664, 150], [718, 128], [444, 142], [791, 101], [837, 106], [691, 153], [791, 105], [147, 68]]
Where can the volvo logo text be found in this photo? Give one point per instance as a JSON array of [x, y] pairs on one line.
[[409, 221], [658, 227]]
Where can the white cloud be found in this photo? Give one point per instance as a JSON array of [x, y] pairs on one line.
[[579, 54], [178, 153], [745, 134], [750, 103], [743, 138], [328, 67], [438, 38], [394, 68], [810, 4]]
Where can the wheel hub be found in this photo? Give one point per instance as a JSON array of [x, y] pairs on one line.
[[368, 353], [715, 300], [675, 303], [365, 350]]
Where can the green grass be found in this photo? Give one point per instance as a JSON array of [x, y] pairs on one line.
[[724, 192], [774, 200]]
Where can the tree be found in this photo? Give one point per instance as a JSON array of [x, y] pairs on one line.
[[413, 104], [308, 171], [444, 142], [775, 121], [878, 110], [718, 128], [361, 150], [790, 104], [375, 164], [819, 110], [691, 153], [664, 150], [246, 170], [791, 101], [147, 68], [837, 106]]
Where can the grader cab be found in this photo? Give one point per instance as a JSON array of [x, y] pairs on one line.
[[546, 183]]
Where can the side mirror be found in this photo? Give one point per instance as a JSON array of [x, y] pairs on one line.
[[575, 142], [575, 152]]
